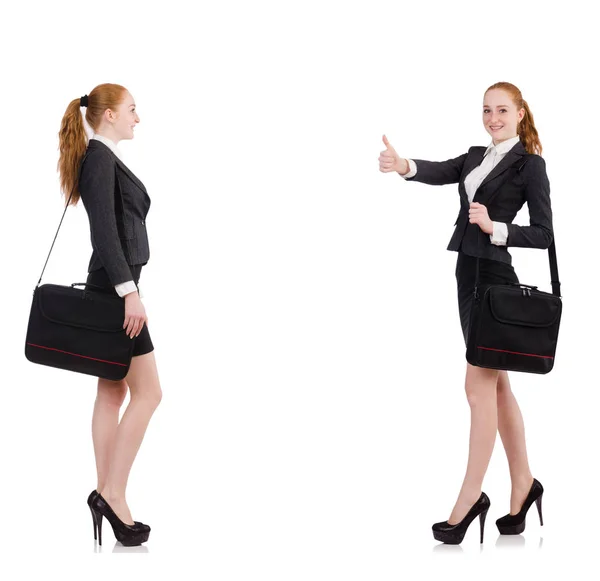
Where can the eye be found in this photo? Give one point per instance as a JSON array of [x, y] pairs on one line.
[[504, 110]]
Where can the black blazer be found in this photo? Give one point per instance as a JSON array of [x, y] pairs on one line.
[[519, 177], [116, 203]]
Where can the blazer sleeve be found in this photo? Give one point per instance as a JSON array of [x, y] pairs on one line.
[[439, 173], [97, 190], [539, 234]]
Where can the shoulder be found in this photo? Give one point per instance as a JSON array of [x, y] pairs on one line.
[[97, 160], [534, 173], [534, 164], [98, 155]]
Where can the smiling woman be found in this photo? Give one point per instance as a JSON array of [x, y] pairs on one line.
[[117, 203], [493, 183]]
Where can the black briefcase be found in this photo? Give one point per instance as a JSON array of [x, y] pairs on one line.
[[515, 326], [78, 330]]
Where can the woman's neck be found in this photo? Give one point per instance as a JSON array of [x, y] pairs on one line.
[[501, 140], [108, 135]]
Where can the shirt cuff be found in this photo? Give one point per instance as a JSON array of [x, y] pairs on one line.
[[499, 236], [411, 171], [125, 288]]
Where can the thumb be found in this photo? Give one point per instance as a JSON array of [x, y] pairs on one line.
[[387, 143]]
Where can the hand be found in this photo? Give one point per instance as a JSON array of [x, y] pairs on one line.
[[135, 314], [478, 214], [389, 160]]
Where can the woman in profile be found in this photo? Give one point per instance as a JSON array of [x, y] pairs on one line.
[[494, 182], [116, 203]]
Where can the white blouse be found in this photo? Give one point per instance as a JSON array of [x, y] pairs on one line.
[[123, 288], [492, 156]]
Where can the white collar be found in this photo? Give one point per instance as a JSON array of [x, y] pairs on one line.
[[503, 146], [109, 143]]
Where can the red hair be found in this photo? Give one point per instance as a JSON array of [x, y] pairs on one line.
[[72, 138]]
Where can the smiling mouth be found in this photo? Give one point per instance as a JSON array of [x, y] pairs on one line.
[[494, 128]]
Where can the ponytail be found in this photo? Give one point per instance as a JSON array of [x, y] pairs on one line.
[[528, 133], [72, 144]]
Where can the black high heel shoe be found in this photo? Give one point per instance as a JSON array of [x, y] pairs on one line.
[[514, 524], [137, 524], [454, 534], [127, 535]]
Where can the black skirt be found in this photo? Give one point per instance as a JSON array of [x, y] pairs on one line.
[[143, 342], [490, 272]]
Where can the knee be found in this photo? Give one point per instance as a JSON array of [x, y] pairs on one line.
[[150, 395], [111, 393], [156, 396], [480, 387], [473, 394]]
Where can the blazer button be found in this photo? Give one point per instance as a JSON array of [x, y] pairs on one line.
[[143, 223]]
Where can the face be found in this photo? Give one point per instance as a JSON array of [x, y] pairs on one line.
[[500, 115], [123, 119]]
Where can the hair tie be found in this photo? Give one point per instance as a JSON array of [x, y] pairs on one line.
[[83, 101]]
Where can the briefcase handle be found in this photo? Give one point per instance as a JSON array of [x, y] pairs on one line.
[[554, 281], [523, 285], [88, 284]]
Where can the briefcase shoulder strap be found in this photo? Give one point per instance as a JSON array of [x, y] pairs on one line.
[[63, 215]]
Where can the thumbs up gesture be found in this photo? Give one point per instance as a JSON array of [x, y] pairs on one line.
[[389, 160]]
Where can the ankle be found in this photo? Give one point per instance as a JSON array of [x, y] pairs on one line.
[[522, 482], [469, 496], [112, 495]]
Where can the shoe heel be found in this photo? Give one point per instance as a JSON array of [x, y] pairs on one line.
[[538, 503], [482, 525], [97, 524]]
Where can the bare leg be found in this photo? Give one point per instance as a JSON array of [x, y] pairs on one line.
[[512, 432], [105, 420], [480, 386], [145, 394]]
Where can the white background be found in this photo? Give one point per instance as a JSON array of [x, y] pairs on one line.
[[302, 304]]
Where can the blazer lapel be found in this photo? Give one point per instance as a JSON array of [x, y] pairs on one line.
[[131, 175], [93, 143], [512, 157], [471, 163]]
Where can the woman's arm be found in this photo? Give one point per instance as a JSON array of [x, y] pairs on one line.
[[539, 233], [436, 173], [97, 189]]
